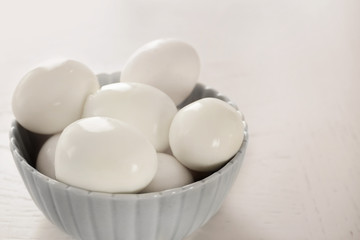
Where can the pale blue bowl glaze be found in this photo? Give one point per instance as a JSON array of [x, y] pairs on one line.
[[168, 215]]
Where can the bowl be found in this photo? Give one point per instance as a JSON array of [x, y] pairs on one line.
[[88, 215]]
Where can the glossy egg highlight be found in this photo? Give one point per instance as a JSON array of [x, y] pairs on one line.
[[105, 155], [206, 133]]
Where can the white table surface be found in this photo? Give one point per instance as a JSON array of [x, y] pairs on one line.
[[293, 68]]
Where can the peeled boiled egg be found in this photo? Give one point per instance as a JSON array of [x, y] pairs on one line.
[[170, 174], [171, 65], [206, 133], [140, 105], [51, 96], [106, 155], [46, 157]]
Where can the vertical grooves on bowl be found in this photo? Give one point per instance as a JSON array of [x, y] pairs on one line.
[[146, 216], [112, 217], [71, 208], [124, 214], [158, 219], [168, 204], [41, 198], [225, 187], [211, 211], [99, 212], [196, 193], [179, 216], [193, 226], [57, 210], [136, 214], [236, 168], [161, 223], [32, 188], [42, 185], [91, 216], [177, 212], [19, 165]]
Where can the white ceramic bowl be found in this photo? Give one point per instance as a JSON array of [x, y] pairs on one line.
[[170, 214]]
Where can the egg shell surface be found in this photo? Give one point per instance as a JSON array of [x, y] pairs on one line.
[[206, 133], [51, 96], [105, 155], [170, 174], [140, 105], [171, 65], [46, 157]]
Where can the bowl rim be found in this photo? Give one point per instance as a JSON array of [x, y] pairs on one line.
[[173, 191]]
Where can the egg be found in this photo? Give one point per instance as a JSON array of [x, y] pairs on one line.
[[52, 95], [105, 155], [170, 174], [140, 105], [206, 133], [46, 157], [171, 65]]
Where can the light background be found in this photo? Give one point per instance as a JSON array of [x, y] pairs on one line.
[[292, 67]]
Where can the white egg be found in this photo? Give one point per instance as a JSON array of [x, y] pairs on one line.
[[206, 133], [140, 105], [105, 155], [46, 157], [170, 174], [51, 96], [171, 65]]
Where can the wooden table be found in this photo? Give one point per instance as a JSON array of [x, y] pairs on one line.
[[292, 67]]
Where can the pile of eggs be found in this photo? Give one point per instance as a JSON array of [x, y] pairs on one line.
[[128, 136]]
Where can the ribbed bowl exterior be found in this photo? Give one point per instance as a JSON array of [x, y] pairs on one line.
[[171, 214]]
